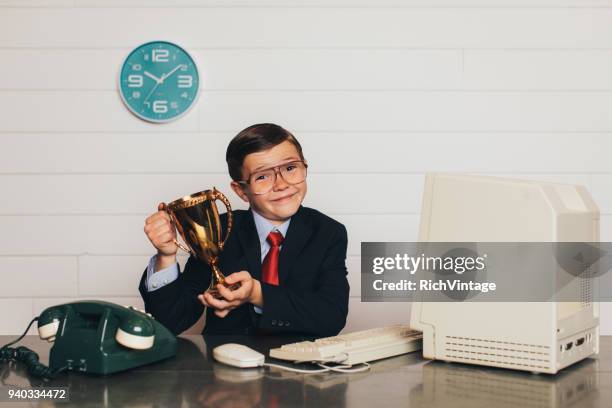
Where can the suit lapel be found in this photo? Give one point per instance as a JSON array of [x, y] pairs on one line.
[[249, 240], [297, 236]]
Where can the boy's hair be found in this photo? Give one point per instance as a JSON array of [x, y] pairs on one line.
[[256, 138]]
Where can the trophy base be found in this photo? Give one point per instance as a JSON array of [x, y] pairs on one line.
[[215, 292]]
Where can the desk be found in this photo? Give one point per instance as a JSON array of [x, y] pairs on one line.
[[192, 378]]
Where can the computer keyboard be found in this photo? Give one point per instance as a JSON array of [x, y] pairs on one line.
[[353, 348]]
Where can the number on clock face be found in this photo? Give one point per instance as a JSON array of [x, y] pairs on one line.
[[159, 81]]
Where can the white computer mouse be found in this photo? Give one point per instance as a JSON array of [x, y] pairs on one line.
[[238, 355]]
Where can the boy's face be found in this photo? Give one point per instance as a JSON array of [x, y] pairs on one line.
[[284, 200]]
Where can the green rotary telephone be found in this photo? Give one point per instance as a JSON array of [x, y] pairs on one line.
[[103, 338]]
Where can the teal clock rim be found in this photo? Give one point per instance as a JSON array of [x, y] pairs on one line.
[[134, 112]]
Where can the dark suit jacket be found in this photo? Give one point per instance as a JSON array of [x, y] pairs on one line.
[[311, 299]]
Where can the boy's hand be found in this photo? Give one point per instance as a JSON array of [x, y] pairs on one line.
[[248, 292], [161, 232]]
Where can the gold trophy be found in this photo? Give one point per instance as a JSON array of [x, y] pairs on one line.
[[197, 220]]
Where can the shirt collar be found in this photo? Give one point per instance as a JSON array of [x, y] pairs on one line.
[[264, 227]]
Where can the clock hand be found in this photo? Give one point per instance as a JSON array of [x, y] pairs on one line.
[[153, 77], [151, 92], [166, 76], [160, 81]]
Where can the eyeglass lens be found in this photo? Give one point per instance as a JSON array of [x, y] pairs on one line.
[[263, 181]]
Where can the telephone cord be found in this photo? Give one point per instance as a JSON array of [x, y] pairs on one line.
[[28, 357]]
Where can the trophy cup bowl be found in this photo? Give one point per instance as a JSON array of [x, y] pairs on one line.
[[197, 220]]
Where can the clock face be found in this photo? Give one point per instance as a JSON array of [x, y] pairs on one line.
[[159, 82]]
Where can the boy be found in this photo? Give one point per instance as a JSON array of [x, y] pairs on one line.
[[289, 259]]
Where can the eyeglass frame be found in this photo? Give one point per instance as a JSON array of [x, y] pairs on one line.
[[276, 174]]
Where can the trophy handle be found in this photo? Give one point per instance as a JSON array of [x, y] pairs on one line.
[[217, 195], [183, 247], [173, 221]]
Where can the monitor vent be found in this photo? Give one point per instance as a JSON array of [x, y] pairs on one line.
[[499, 353], [586, 288]]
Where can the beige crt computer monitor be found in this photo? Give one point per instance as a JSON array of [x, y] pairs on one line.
[[532, 336]]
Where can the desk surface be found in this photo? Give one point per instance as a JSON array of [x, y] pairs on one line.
[[192, 378]]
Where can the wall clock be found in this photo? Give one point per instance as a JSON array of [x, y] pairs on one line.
[[159, 82]]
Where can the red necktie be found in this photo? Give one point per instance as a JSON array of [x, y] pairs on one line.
[[269, 267]]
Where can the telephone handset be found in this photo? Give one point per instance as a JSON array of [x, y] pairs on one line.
[[134, 331], [101, 337]]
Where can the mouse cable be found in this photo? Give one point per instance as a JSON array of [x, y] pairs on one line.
[[347, 368], [324, 368], [27, 357]]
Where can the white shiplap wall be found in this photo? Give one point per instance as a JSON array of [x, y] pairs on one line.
[[378, 91]]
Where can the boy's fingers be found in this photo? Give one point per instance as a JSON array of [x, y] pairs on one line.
[[161, 226], [207, 298], [234, 304], [158, 215], [237, 296], [216, 303], [237, 277], [203, 300], [226, 293], [243, 291]]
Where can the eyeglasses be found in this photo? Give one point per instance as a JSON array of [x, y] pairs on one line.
[[262, 181]]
